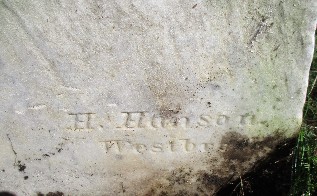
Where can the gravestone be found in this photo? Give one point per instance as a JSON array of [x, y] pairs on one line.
[[149, 97]]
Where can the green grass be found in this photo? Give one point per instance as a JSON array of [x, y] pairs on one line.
[[305, 164], [304, 170]]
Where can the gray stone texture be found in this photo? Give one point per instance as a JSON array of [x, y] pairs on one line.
[[132, 97]]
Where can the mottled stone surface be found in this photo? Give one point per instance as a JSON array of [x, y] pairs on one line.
[[150, 97]]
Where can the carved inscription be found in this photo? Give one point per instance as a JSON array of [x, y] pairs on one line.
[[179, 145], [148, 120], [81, 121], [126, 123]]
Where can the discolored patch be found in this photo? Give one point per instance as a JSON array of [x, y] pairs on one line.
[[209, 180], [57, 193], [237, 152], [21, 166], [186, 181], [270, 176], [5, 193], [235, 146], [238, 147]]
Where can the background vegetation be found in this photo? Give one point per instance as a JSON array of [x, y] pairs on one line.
[[304, 171]]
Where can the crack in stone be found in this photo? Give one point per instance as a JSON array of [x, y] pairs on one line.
[[15, 153], [19, 164]]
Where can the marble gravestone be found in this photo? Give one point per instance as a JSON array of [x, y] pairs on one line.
[[147, 97]]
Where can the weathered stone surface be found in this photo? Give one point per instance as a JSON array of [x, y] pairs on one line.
[[147, 97]]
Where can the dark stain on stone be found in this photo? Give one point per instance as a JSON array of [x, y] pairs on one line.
[[57, 193], [150, 192], [211, 180], [208, 182], [236, 150], [236, 146], [180, 176], [184, 193], [185, 181], [59, 148], [163, 193], [21, 166], [5, 193], [268, 176], [26, 177]]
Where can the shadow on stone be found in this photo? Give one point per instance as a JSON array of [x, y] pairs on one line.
[[271, 176], [5, 193]]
